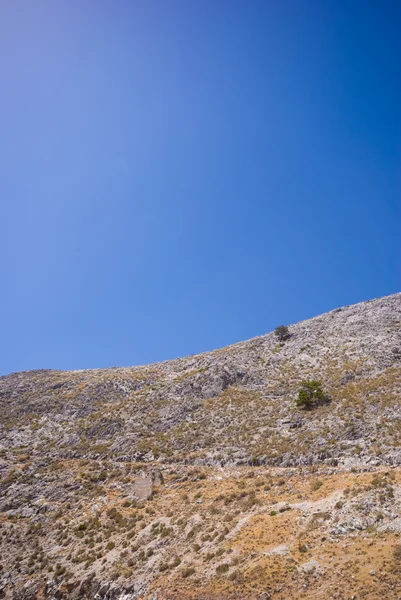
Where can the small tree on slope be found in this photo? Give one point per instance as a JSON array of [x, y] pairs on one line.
[[282, 333], [311, 394]]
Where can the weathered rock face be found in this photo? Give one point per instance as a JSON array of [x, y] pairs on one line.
[[146, 483], [84, 510]]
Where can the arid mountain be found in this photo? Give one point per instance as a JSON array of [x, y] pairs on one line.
[[201, 477]]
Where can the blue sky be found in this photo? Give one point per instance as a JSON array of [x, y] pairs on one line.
[[177, 176]]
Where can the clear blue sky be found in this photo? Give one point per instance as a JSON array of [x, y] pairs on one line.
[[176, 176]]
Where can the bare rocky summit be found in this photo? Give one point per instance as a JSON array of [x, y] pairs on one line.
[[200, 477]]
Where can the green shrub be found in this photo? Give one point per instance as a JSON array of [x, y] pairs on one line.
[[316, 485], [222, 568], [176, 561], [282, 333], [311, 394]]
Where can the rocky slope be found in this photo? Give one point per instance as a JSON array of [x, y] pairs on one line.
[[201, 478]]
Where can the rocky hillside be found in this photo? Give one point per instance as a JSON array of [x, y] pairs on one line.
[[231, 406], [201, 478]]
